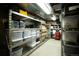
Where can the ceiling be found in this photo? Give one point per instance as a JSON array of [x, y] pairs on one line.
[[36, 11]]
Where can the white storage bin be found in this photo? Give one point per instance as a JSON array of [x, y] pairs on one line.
[[22, 24], [27, 33], [17, 43], [14, 24], [34, 31], [17, 52], [16, 35], [38, 34], [34, 38], [32, 42]]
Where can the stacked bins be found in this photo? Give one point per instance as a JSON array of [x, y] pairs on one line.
[[70, 35], [30, 36], [27, 34], [16, 38], [17, 51], [38, 34], [34, 36], [15, 34], [14, 24], [43, 33]]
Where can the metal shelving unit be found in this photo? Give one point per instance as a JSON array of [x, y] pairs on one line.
[[24, 40], [69, 24]]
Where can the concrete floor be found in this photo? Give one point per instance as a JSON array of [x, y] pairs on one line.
[[50, 48]]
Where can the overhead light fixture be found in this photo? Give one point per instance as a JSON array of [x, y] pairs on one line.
[[45, 7], [53, 18]]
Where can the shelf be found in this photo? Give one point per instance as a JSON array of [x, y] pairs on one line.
[[17, 16], [19, 44], [16, 13], [72, 45], [16, 45], [15, 40], [70, 31], [43, 32], [56, 28], [27, 37], [22, 42], [17, 29]]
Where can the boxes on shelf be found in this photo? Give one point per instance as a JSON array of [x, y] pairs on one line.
[[43, 33], [17, 24], [17, 51], [42, 38], [23, 12]]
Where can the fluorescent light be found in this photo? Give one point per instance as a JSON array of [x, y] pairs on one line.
[[53, 18], [45, 7]]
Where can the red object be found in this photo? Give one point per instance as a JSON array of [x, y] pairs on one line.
[[57, 35]]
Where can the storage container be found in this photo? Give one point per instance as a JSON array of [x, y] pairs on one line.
[[14, 24], [38, 34], [16, 35], [32, 42], [34, 39], [27, 33], [34, 31], [22, 24], [17, 51]]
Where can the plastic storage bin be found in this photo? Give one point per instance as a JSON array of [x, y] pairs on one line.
[[32, 42], [27, 33], [16, 35], [38, 33], [34, 39], [14, 24], [17, 51], [16, 43], [34, 31], [22, 24]]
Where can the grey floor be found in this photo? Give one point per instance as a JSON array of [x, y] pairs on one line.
[[50, 48]]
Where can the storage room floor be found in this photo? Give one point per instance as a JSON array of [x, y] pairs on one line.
[[50, 48]]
